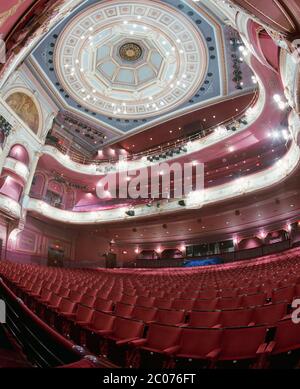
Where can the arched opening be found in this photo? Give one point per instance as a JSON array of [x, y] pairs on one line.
[[19, 153]]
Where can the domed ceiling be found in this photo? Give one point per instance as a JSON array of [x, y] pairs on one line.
[[130, 65], [131, 60]]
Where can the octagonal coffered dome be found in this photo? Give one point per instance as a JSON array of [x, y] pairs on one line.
[[131, 59]]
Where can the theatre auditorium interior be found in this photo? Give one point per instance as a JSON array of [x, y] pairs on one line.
[[150, 184]]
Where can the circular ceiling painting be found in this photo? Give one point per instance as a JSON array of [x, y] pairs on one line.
[[130, 51], [131, 59]]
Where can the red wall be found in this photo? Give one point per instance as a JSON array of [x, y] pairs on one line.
[[31, 245]]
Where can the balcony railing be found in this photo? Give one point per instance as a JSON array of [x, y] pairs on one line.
[[231, 125]]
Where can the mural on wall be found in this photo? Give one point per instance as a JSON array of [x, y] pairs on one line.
[[25, 108]]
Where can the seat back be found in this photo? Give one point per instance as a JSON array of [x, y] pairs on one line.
[[269, 314], [103, 305], [143, 313], [199, 342], [123, 310], [205, 305], [161, 337], [283, 294], [236, 318], [88, 300], [162, 303], [54, 300], [127, 299], [84, 313], [128, 328], [66, 306], [204, 319], [241, 343], [143, 301], [102, 321], [181, 304], [254, 300], [75, 296], [287, 337], [170, 317], [228, 303]]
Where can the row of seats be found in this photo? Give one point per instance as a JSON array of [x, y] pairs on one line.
[[99, 308], [226, 282]]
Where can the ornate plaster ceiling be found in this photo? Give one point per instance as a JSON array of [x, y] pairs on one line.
[[129, 65], [131, 59]]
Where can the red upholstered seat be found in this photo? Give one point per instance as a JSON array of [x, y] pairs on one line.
[[199, 343], [87, 300], [125, 330], [162, 303], [101, 323], [228, 303], [242, 343], [127, 299], [83, 315], [287, 338], [170, 317], [75, 296], [254, 300], [269, 314], [283, 294], [103, 305], [143, 313], [66, 306], [53, 302], [44, 296], [236, 318], [145, 301], [180, 304], [204, 319], [160, 338], [123, 310], [205, 305]]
